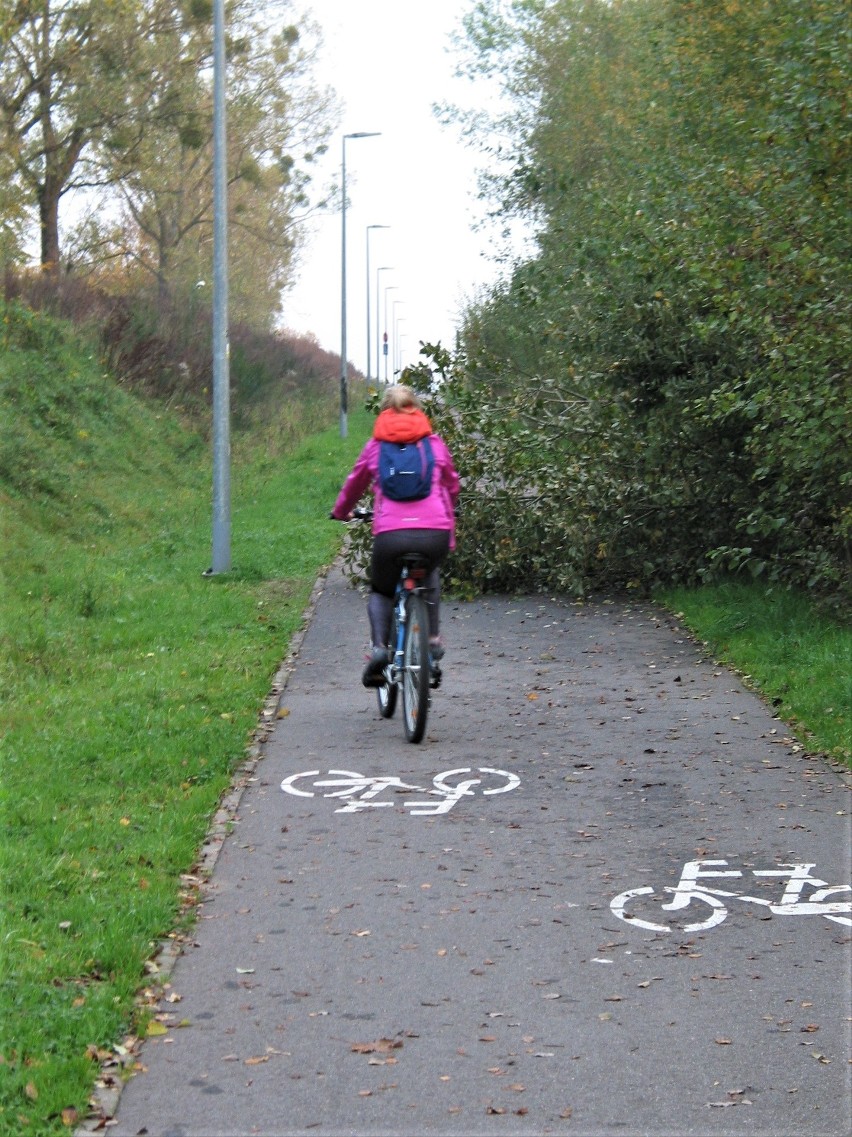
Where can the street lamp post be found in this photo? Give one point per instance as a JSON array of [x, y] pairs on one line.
[[369, 329], [402, 336], [344, 366], [379, 271], [221, 559], [389, 288], [394, 321]]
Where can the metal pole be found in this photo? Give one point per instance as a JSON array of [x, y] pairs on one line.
[[344, 366], [390, 288], [369, 329], [379, 271], [402, 336], [221, 350], [393, 325]]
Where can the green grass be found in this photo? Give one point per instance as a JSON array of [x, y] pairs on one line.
[[132, 687], [786, 648]]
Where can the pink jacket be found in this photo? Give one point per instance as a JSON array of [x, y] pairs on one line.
[[437, 511]]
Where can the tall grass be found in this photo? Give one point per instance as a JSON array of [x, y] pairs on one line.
[[131, 686]]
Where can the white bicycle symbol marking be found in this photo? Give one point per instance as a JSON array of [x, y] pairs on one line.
[[360, 791], [690, 888]]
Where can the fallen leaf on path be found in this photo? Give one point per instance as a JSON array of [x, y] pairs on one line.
[[380, 1046]]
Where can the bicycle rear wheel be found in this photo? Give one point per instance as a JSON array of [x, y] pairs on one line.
[[386, 694], [415, 669]]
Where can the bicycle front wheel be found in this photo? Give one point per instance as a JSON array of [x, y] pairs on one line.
[[415, 669]]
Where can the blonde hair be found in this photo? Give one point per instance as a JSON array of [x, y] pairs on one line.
[[400, 398]]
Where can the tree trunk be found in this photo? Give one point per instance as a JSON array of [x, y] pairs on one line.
[[48, 208]]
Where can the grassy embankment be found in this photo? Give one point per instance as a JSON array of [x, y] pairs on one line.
[[131, 685]]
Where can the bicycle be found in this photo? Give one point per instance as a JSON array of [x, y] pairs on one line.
[[411, 671]]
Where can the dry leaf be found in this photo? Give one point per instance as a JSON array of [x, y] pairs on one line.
[[256, 1061], [495, 1109], [566, 1113], [31, 1091], [380, 1046], [155, 1028], [722, 1041], [70, 1116]]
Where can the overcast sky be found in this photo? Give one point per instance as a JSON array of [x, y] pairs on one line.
[[389, 62]]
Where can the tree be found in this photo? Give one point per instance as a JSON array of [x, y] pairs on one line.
[[665, 380], [62, 69], [116, 98], [277, 125]]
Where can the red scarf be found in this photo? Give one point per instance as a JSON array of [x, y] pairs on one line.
[[402, 426]]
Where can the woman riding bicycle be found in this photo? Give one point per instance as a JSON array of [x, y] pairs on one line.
[[425, 526]]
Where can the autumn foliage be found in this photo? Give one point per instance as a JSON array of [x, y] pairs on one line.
[[661, 392]]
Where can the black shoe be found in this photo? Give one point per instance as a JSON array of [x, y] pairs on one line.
[[374, 672]]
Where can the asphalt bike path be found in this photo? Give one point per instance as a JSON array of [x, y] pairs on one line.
[[469, 937]]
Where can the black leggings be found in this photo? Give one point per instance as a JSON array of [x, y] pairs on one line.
[[388, 548]]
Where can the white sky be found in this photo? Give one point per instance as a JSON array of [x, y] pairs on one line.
[[389, 61]]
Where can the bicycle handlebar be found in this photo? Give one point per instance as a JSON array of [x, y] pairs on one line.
[[361, 513]]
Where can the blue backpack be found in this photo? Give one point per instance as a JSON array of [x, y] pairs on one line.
[[405, 469]]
